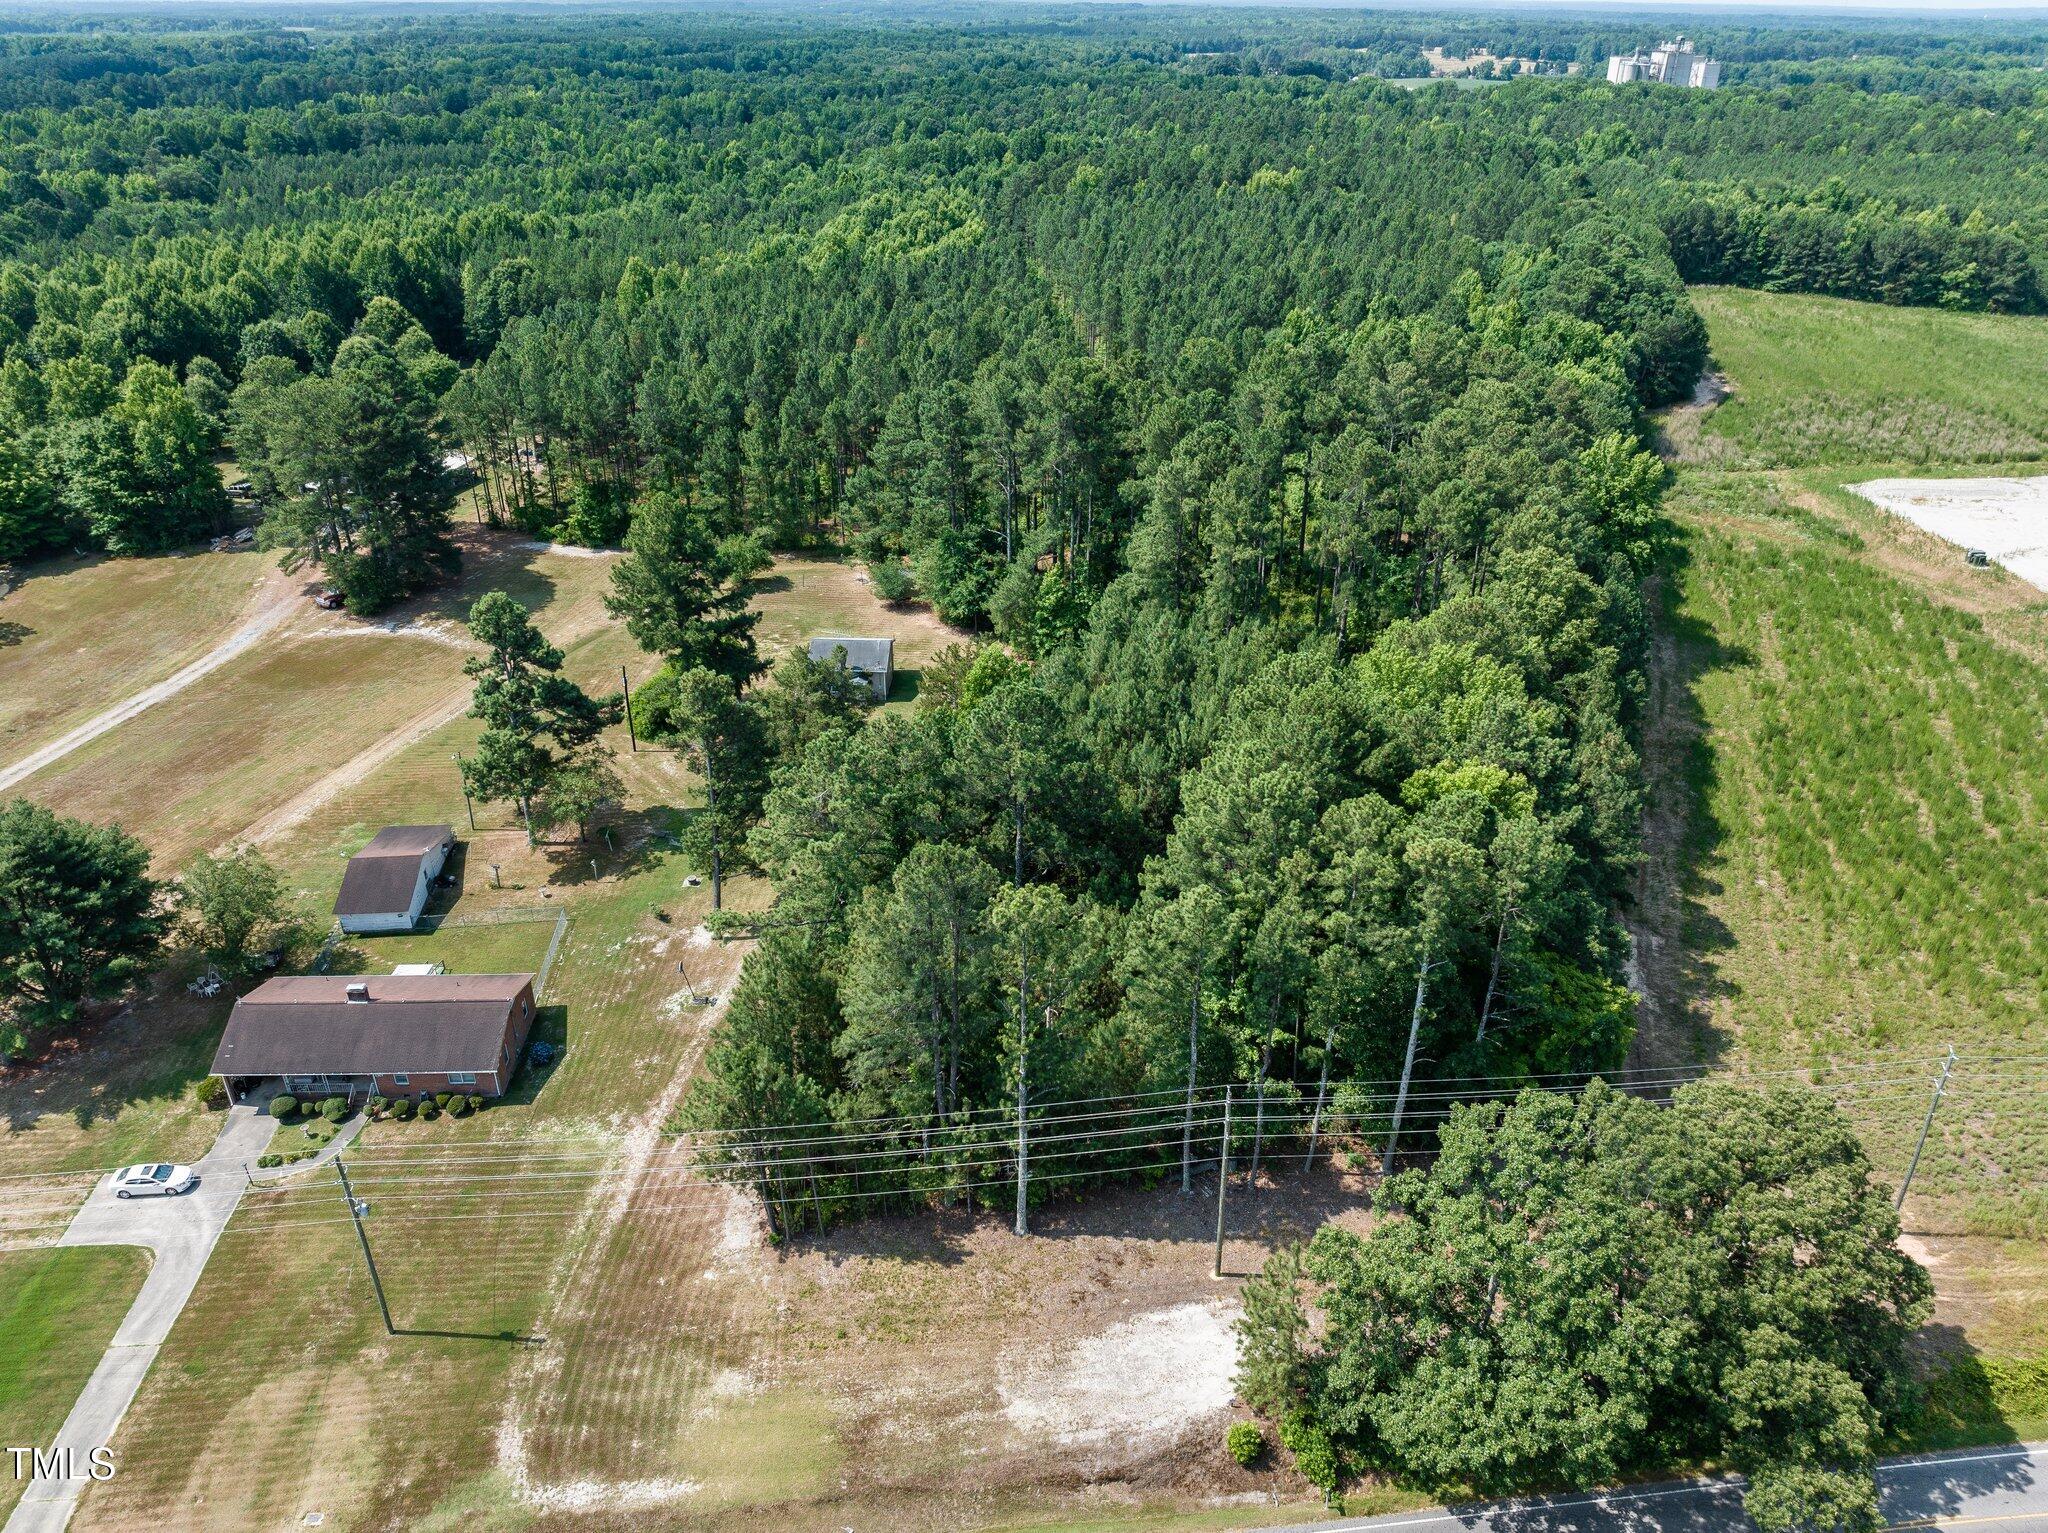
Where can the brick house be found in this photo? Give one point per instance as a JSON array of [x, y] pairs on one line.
[[390, 1035]]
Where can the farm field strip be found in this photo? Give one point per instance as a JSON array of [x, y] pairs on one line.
[[273, 609], [1830, 380]]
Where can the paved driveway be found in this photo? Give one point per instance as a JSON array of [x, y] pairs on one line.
[[2003, 1490], [180, 1233]]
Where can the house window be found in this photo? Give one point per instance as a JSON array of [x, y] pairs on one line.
[[462, 1078], [401, 1080]]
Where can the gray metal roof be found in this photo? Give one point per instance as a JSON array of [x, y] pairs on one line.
[[865, 655], [423, 1023], [382, 876]]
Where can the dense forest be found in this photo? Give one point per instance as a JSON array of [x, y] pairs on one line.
[[1280, 427], [1272, 421]]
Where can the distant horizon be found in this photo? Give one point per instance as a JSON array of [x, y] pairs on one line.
[[1932, 10]]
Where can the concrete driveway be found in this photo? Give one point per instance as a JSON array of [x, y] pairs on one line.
[[2005, 1487], [179, 1232]]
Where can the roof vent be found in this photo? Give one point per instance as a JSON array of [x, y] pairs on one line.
[[358, 995]]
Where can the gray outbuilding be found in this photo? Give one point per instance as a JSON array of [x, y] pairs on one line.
[[871, 660], [388, 881]]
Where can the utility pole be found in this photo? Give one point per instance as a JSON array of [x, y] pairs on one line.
[[626, 688], [1315, 1124], [1407, 1067], [356, 1211], [1023, 1082], [1222, 1182], [1023, 1167], [467, 802], [1926, 1125], [1187, 1122]]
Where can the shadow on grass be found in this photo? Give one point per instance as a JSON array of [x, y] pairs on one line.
[[1283, 1206], [905, 685], [1683, 838], [619, 846], [1966, 1400], [550, 1025], [150, 1051], [12, 634], [514, 1338]]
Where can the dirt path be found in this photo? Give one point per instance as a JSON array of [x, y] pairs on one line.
[[585, 1269], [301, 806], [585, 619], [273, 604]]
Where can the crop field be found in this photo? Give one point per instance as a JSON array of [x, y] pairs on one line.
[[58, 1310], [1828, 380], [1867, 821]]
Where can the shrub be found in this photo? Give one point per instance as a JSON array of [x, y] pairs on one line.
[[1314, 1455], [210, 1091], [266, 1161], [891, 581], [440, 1099], [334, 1109], [402, 1109], [376, 1106], [429, 1111], [458, 1106], [476, 1104], [283, 1107], [1244, 1442]]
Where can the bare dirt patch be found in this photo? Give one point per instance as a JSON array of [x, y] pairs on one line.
[[2005, 518], [1141, 1381]]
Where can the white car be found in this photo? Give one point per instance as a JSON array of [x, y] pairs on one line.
[[158, 1181]]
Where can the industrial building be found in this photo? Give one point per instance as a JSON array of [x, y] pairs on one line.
[[1669, 63]]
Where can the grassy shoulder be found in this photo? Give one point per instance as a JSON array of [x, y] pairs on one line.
[[1829, 380], [59, 1307]]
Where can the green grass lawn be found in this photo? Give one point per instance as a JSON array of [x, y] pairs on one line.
[[1828, 380], [58, 1310]]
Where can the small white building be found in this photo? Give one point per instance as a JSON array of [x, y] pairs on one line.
[[870, 660], [1675, 62], [388, 881]]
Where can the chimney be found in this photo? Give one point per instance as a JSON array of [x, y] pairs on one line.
[[358, 995]]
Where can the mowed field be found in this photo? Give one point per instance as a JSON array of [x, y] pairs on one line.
[[58, 1310], [1849, 826], [1829, 380], [77, 636]]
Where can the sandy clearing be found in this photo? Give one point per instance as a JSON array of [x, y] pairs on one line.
[[2006, 518], [273, 604], [1144, 1380], [573, 550]]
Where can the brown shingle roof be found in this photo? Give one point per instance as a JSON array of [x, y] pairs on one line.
[[415, 1023], [382, 876]]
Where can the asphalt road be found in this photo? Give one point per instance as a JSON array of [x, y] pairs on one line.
[[2004, 1490], [180, 1233]]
